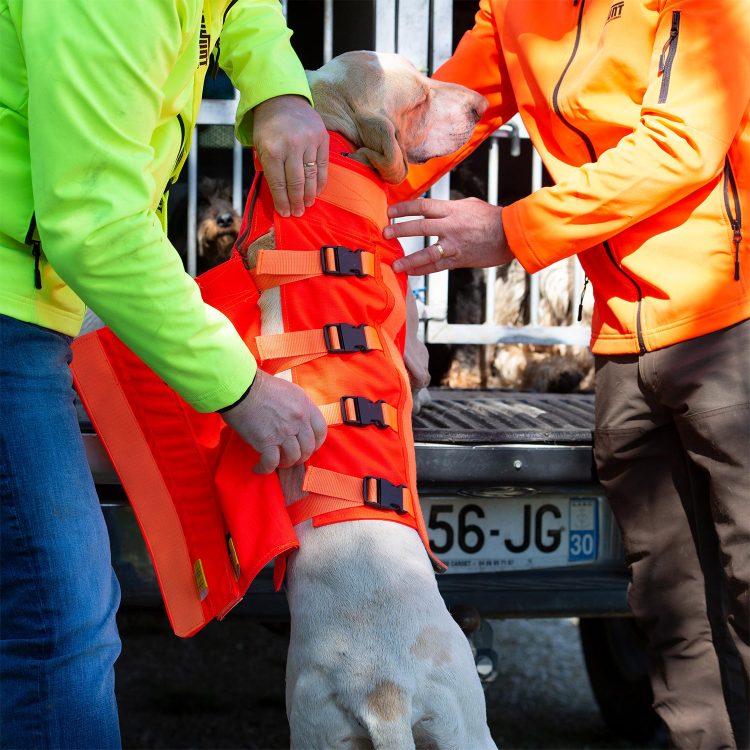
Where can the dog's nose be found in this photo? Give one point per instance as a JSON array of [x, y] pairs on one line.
[[480, 108], [224, 220]]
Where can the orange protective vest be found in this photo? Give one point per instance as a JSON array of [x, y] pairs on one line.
[[210, 523]]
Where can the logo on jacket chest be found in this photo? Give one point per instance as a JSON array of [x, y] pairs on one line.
[[615, 11], [204, 44]]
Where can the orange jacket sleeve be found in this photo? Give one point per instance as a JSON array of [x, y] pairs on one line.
[[679, 144], [477, 64]]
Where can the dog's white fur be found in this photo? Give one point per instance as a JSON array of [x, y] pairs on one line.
[[375, 659]]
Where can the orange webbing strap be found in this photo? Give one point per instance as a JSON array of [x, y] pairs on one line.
[[280, 351], [277, 267], [354, 192], [349, 188], [143, 480], [331, 490], [358, 411]]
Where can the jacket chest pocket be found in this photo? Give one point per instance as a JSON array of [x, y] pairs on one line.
[[668, 54]]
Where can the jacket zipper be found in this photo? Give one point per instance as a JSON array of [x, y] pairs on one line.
[[213, 65], [592, 156], [735, 218], [667, 56], [32, 238], [172, 177]]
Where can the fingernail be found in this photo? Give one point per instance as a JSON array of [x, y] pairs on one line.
[[298, 212], [397, 266], [388, 233], [391, 212], [285, 213]]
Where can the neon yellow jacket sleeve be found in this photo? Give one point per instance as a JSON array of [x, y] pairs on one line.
[[101, 94], [255, 53]]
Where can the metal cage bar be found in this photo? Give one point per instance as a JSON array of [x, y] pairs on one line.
[[422, 31]]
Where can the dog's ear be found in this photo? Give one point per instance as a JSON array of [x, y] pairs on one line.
[[382, 148], [207, 187]]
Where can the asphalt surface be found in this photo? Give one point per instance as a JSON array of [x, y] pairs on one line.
[[224, 688]]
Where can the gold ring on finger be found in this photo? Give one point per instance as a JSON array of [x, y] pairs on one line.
[[440, 249]]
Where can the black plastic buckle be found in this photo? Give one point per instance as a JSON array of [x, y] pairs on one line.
[[347, 262], [368, 412], [390, 496], [351, 338]]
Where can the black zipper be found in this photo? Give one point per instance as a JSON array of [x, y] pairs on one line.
[[667, 56], [182, 141], [32, 238], [735, 219], [172, 177], [213, 65], [580, 301], [592, 156]]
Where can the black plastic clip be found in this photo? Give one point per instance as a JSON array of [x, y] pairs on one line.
[[389, 497], [346, 262], [351, 338], [367, 412]]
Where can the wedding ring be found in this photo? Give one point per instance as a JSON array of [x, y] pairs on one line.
[[440, 250], [310, 164]]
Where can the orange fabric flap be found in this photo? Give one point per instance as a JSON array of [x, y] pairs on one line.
[[142, 480]]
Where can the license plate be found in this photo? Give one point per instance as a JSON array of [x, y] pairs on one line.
[[479, 535]]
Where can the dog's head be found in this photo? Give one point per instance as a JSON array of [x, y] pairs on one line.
[[218, 222], [391, 112]]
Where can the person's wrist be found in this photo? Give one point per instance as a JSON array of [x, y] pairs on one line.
[[245, 394]]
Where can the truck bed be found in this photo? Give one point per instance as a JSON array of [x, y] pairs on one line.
[[484, 447], [505, 436]]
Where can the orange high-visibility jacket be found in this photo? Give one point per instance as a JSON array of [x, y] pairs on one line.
[[640, 112], [209, 522]]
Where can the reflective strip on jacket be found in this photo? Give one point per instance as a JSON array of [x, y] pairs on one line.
[[97, 105], [640, 112]]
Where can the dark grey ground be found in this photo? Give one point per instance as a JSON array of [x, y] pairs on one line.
[[224, 688]]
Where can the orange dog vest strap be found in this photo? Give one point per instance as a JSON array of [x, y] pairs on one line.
[[278, 267], [358, 411], [280, 351], [331, 490]]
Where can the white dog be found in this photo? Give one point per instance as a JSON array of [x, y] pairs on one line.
[[375, 659]]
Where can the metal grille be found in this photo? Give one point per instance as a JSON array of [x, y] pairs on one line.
[[505, 417]]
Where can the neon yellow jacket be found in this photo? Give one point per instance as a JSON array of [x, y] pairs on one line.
[[97, 106]]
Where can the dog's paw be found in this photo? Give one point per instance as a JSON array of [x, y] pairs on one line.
[[420, 398]]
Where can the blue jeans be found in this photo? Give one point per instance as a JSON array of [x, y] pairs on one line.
[[58, 593]]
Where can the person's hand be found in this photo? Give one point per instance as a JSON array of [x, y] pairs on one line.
[[469, 231], [292, 144], [279, 421]]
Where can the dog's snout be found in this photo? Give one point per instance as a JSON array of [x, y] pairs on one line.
[[224, 220]]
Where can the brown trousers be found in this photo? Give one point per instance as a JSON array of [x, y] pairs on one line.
[[672, 447]]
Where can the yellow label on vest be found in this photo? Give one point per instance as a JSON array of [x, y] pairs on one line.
[[200, 579], [233, 558]]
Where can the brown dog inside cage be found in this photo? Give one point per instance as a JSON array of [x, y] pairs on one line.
[[217, 222]]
